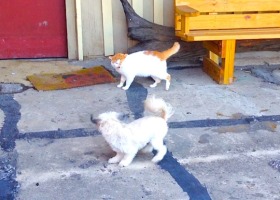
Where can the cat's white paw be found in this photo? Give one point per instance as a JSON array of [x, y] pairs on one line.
[[113, 161], [167, 87], [125, 163], [125, 88], [120, 85], [153, 85]]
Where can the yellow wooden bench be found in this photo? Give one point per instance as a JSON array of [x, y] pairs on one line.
[[219, 23]]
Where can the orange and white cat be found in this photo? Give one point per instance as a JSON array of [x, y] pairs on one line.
[[143, 63]]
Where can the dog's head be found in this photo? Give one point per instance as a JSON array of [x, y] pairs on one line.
[[107, 117]]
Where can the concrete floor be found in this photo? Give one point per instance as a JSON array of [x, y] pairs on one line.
[[223, 142]]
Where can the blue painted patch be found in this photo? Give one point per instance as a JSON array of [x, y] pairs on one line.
[[8, 185], [136, 95], [8, 135], [59, 134], [183, 178], [6, 188], [9, 131], [222, 122]]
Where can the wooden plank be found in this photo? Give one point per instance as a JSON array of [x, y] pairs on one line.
[[187, 11], [213, 47], [71, 29], [158, 12], [168, 13], [231, 5], [121, 41], [181, 2], [92, 36], [264, 20], [108, 27], [239, 34], [185, 27], [181, 35], [137, 5], [79, 29], [149, 10], [177, 22], [212, 69]]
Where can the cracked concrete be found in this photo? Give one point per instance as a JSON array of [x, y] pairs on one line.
[[222, 141]]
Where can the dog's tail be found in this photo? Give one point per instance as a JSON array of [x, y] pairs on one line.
[[158, 106]]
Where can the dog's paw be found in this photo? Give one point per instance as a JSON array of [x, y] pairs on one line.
[[156, 160], [126, 161], [160, 155]]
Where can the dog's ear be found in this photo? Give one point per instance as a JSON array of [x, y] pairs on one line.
[[93, 120]]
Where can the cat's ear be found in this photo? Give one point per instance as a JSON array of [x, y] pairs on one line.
[[110, 57]]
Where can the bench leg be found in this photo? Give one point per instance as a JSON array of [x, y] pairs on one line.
[[228, 49], [219, 63]]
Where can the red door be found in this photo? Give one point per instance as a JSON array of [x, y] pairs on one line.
[[32, 29]]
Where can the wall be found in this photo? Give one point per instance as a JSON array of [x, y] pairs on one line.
[[98, 27]]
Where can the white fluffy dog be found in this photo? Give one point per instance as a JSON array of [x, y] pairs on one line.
[[146, 133]]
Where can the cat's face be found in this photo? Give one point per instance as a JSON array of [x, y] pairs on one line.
[[117, 59]]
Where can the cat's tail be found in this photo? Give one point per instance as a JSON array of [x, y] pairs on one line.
[[159, 107], [171, 51]]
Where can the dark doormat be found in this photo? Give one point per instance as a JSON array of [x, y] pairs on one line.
[[83, 77]]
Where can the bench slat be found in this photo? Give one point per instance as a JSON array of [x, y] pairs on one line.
[[231, 5], [186, 11], [207, 35], [261, 20]]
